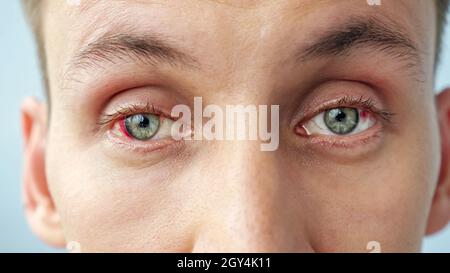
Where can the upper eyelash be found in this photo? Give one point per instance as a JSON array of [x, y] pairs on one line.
[[366, 104], [347, 101], [125, 111]]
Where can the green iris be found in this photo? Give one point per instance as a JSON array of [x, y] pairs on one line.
[[142, 126], [341, 121]]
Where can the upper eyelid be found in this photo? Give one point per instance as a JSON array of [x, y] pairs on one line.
[[370, 105], [348, 101], [132, 109]]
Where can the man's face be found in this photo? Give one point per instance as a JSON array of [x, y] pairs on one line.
[[319, 191]]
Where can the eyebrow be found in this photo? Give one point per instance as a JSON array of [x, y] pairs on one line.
[[364, 33], [148, 50]]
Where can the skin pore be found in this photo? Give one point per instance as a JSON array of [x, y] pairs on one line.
[[85, 182]]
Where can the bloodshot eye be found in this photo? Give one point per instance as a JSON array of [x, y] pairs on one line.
[[340, 121], [142, 126]]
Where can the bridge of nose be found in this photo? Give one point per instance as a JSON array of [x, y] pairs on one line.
[[248, 207]]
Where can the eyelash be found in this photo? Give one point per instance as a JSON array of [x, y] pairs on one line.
[[364, 104], [360, 102], [107, 120]]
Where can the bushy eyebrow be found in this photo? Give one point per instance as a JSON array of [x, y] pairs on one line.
[[369, 33], [127, 47], [151, 49]]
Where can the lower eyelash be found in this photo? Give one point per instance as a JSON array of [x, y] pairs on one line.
[[145, 149], [339, 142]]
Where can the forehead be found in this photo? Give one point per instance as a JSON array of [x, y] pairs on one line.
[[92, 9], [83, 18], [228, 27]]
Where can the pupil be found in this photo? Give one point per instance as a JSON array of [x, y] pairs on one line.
[[143, 121], [340, 117]]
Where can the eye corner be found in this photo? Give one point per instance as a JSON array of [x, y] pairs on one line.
[[301, 130]]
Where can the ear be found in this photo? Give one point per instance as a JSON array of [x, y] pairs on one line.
[[39, 207], [440, 209]]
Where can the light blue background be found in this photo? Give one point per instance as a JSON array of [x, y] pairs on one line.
[[19, 77]]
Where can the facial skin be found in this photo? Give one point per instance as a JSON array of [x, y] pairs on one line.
[[326, 193]]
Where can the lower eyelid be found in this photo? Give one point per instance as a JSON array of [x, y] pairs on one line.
[[132, 153], [351, 141], [348, 146], [344, 151], [360, 144], [132, 145]]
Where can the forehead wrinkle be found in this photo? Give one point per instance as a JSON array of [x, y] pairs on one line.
[[307, 6], [246, 4], [86, 5], [95, 17], [92, 21]]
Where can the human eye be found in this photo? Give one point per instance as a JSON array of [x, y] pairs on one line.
[[143, 127], [343, 121], [140, 126]]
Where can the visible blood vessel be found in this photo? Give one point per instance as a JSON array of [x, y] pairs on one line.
[[123, 128], [364, 114]]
